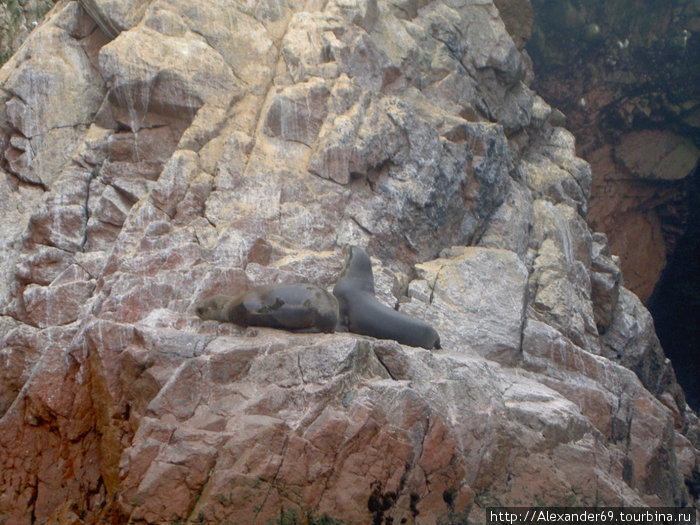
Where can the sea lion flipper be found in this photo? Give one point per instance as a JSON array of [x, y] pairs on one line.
[[365, 314]]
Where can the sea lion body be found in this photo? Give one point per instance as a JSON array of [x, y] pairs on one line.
[[364, 314], [287, 306]]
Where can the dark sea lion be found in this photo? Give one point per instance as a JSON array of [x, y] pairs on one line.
[[286, 306], [364, 314]]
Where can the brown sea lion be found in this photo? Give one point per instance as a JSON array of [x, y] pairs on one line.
[[288, 306], [362, 312]]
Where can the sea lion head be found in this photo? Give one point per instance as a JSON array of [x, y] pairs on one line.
[[358, 268], [214, 308]]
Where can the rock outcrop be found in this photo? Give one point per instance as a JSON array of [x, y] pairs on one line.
[[157, 153], [17, 19]]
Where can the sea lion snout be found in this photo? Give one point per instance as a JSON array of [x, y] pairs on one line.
[[201, 309], [213, 308]]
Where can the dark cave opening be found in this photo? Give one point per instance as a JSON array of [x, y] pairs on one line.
[[675, 304]]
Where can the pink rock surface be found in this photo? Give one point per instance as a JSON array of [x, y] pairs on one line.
[[230, 146]]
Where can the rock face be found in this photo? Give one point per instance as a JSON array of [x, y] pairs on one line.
[[203, 148], [17, 19], [625, 73]]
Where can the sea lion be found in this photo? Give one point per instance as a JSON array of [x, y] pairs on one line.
[[287, 306], [364, 314]]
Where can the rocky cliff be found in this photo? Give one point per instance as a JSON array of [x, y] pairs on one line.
[[17, 19], [157, 153], [626, 74]]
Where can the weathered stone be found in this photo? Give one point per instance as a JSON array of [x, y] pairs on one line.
[[296, 113], [39, 102], [174, 182], [139, 80], [560, 281], [615, 406], [511, 224], [335, 153], [462, 291], [241, 145], [606, 279], [42, 265], [22, 348], [113, 17], [556, 174], [16, 207], [657, 155], [363, 13], [17, 21], [244, 35], [56, 305], [632, 341], [310, 47], [76, 21]]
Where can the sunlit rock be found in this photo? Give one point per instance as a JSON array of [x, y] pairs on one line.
[[206, 148]]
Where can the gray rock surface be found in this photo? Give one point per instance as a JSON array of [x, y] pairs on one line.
[[207, 148], [17, 20]]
